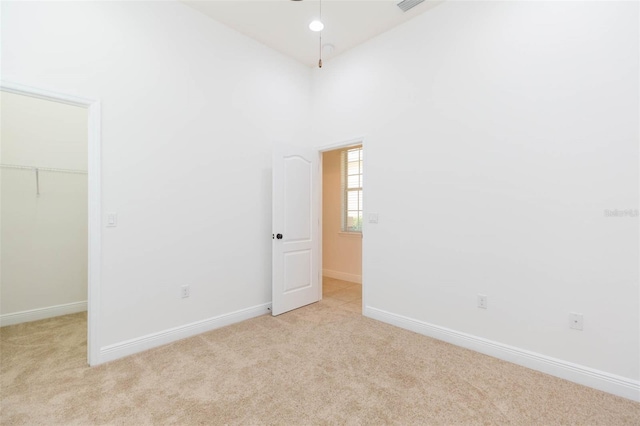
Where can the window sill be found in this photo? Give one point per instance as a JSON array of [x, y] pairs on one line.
[[350, 234]]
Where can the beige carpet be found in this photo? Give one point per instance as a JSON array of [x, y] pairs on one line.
[[322, 364]]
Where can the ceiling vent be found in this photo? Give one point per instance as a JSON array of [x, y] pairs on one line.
[[408, 4]]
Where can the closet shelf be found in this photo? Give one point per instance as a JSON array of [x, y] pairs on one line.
[[43, 169], [37, 171]]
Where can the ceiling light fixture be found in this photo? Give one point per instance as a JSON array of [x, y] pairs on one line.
[[316, 25], [321, 26]]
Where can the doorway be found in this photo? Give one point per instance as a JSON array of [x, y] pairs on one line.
[[50, 209], [342, 221]]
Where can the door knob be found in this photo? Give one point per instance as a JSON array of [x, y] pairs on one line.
[[279, 236]]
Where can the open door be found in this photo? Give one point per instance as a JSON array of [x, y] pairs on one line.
[[295, 240]]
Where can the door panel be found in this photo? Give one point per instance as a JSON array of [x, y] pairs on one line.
[[297, 198], [295, 242], [297, 270]]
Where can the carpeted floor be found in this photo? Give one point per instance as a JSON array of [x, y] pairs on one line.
[[321, 364]]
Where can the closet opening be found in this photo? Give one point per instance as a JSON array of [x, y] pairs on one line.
[[49, 221]]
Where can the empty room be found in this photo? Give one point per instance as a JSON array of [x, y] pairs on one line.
[[480, 264]]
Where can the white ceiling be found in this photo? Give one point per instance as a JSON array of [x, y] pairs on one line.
[[284, 24]]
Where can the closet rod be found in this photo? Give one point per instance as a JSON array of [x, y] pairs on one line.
[[43, 169]]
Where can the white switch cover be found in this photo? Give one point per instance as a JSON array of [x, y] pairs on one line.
[[112, 220], [373, 217]]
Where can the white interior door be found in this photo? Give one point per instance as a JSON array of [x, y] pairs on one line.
[[295, 241]]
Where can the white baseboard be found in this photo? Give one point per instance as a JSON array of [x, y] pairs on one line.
[[611, 383], [342, 276], [42, 313], [140, 344]]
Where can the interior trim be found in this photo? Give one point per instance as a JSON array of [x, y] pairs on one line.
[[42, 313], [607, 382], [153, 340]]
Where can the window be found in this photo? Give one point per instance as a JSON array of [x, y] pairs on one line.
[[352, 189]]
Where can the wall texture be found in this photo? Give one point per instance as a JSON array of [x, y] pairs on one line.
[[43, 239], [341, 251], [190, 113], [497, 135]]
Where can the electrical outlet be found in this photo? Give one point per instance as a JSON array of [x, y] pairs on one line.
[[482, 301], [576, 321], [184, 291]]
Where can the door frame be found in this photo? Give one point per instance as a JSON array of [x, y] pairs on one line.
[[94, 196], [321, 150]]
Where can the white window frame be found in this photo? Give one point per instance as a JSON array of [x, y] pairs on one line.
[[344, 170]]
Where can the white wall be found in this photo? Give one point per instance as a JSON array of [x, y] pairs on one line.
[[190, 112], [43, 238], [341, 251], [497, 133]]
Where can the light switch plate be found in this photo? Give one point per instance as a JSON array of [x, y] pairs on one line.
[[373, 217], [112, 220]]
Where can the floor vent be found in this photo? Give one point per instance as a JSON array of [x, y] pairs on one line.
[[408, 4]]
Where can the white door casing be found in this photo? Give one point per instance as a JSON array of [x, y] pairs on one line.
[[295, 239]]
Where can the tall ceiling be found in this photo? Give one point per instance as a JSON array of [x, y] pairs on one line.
[[284, 24]]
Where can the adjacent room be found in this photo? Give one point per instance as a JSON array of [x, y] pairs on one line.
[[418, 212], [342, 215]]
